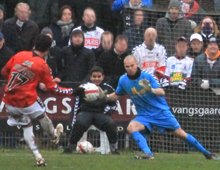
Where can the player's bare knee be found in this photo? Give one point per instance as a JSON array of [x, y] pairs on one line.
[[180, 133], [132, 127]]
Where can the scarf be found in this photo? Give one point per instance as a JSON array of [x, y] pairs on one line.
[[66, 27], [215, 57]]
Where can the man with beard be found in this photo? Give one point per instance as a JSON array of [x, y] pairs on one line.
[[78, 60]]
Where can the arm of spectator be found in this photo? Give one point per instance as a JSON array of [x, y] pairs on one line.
[[214, 83], [118, 5], [111, 105]]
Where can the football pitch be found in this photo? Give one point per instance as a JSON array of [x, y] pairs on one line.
[[23, 160]]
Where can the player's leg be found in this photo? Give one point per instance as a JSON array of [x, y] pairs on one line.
[[48, 127], [83, 122], [191, 141], [134, 129], [107, 124], [29, 139]]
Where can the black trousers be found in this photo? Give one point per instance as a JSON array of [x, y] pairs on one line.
[[103, 122]]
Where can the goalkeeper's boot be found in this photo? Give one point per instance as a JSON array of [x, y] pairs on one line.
[[58, 131], [40, 160], [144, 156], [212, 156]]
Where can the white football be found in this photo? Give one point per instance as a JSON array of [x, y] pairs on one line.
[[91, 92], [84, 147]]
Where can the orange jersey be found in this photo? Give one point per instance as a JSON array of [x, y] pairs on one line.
[[24, 71]]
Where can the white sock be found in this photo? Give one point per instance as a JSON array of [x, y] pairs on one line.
[[47, 125], [29, 138]]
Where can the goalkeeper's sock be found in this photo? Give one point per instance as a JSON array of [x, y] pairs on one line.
[[141, 141], [194, 143], [29, 139]]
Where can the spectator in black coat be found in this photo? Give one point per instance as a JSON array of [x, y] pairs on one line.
[[53, 58], [136, 33], [107, 40], [20, 31], [5, 53], [112, 61], [78, 60], [62, 28]]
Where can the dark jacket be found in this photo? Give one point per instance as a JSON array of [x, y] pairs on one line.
[[77, 64], [98, 106], [19, 40], [135, 37], [113, 66], [42, 11], [201, 70], [54, 61], [5, 55], [57, 36]]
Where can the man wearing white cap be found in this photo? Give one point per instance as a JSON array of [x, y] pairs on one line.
[[196, 45]]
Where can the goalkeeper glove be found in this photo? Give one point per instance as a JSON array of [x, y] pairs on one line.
[[146, 85], [182, 85], [205, 84], [103, 94]]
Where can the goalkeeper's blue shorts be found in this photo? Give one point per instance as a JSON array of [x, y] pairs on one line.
[[162, 122]]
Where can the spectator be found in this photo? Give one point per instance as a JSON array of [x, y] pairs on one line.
[[53, 58], [112, 61], [151, 56], [78, 60], [206, 67], [216, 6], [172, 26], [178, 67], [20, 31], [62, 28], [5, 53], [101, 7], [92, 33], [42, 12], [124, 18], [196, 45], [1, 16], [136, 32], [96, 113], [118, 5], [191, 9], [208, 28], [107, 40]]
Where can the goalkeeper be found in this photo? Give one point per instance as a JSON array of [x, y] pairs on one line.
[[152, 109], [95, 113]]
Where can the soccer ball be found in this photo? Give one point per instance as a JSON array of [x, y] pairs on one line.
[[84, 147], [91, 92]]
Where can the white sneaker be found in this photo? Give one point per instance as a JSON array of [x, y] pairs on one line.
[[40, 160], [58, 131]]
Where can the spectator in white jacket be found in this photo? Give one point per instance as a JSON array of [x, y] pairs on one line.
[[178, 67]]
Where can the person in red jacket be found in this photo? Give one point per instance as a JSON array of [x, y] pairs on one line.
[[24, 71]]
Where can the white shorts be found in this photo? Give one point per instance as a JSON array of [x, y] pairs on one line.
[[22, 116]]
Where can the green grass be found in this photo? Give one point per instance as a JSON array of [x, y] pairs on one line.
[[24, 160]]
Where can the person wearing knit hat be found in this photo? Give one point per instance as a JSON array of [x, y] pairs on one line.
[[47, 31], [172, 26]]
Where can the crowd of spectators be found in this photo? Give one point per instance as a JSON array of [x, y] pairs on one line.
[[182, 37]]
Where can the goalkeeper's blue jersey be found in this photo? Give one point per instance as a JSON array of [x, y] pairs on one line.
[[146, 103]]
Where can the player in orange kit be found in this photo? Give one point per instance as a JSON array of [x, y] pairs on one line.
[[24, 72]]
